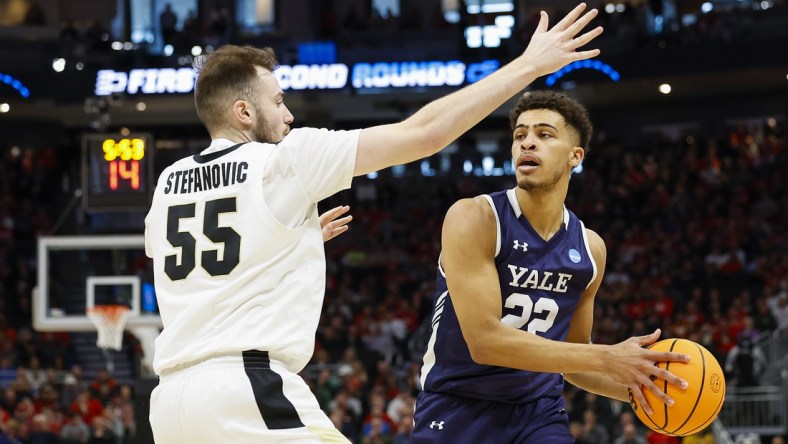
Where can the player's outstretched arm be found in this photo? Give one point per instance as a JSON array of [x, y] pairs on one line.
[[444, 120], [333, 227], [475, 293]]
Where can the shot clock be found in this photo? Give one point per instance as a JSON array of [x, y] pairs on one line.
[[117, 171]]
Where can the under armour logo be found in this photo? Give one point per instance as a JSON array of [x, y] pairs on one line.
[[517, 245], [438, 424]]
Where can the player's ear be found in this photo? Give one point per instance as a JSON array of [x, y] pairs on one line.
[[242, 112], [576, 156]]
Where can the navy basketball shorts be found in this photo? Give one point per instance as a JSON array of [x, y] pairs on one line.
[[443, 418]]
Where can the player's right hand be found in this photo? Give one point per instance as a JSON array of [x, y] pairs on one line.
[[632, 365], [551, 50]]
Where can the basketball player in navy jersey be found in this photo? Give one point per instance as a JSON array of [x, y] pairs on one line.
[[516, 282], [237, 244]]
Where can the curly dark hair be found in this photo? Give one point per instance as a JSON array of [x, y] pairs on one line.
[[575, 115]]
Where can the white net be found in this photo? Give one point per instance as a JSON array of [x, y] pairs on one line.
[[110, 321]]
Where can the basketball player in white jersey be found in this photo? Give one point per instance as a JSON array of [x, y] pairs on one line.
[[236, 239]]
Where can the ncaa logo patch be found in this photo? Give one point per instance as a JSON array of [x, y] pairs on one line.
[[574, 256]]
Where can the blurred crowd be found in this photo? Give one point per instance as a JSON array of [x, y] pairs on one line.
[[630, 25]]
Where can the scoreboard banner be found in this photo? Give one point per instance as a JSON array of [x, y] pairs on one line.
[[361, 76]]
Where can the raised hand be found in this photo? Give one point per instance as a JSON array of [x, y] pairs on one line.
[[633, 366], [552, 49], [333, 227]]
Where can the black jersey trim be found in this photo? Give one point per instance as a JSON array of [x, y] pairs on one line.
[[199, 158], [277, 411]]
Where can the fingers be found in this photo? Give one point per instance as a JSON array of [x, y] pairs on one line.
[[334, 232], [331, 226], [671, 378], [337, 211], [333, 214], [336, 227], [582, 55], [587, 37], [577, 26], [637, 393], [340, 223], [571, 17], [339, 230], [667, 357], [543, 22], [658, 392], [647, 339]]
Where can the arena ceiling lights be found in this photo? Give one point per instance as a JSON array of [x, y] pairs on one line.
[[16, 84], [584, 64]]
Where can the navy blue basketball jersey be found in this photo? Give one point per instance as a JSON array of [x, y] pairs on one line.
[[541, 283]]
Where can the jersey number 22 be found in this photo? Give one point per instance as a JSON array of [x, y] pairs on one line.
[[529, 307]]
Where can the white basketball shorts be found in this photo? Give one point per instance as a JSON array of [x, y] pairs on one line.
[[246, 398]]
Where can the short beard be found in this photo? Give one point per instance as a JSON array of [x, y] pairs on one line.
[[261, 131], [263, 136], [528, 185]]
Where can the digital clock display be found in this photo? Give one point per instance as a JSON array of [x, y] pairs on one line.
[[117, 171]]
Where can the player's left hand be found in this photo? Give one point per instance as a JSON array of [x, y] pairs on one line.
[[333, 227]]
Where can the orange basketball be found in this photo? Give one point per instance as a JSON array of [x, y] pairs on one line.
[[698, 405]]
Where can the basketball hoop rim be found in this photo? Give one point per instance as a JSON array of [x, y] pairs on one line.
[[108, 307], [111, 312]]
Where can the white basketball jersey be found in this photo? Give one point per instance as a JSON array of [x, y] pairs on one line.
[[237, 247]]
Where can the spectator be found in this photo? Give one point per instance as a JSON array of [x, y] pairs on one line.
[[103, 385], [404, 428], [576, 429], [764, 320], [401, 406], [11, 432], [344, 420], [168, 21], [629, 435], [113, 422], [377, 432], [324, 388], [75, 430], [123, 405], [40, 432], [70, 390], [778, 304], [34, 375], [745, 363], [101, 432], [593, 432], [87, 406]]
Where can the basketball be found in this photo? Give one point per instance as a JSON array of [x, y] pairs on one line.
[[697, 406]]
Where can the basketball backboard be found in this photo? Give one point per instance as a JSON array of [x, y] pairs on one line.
[[76, 273]]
